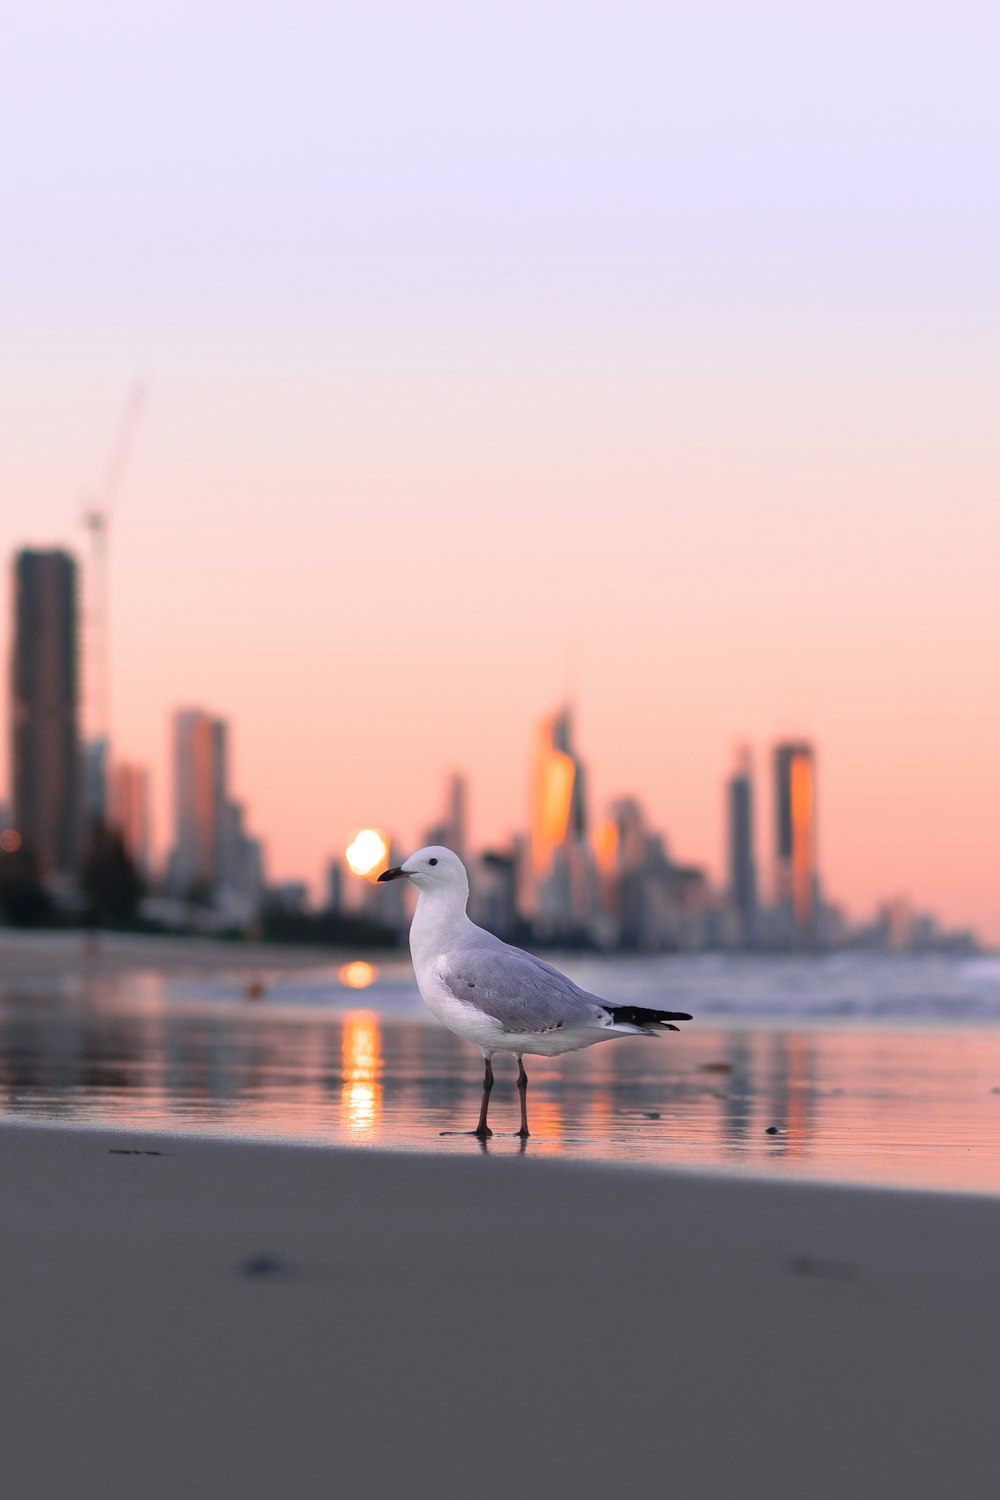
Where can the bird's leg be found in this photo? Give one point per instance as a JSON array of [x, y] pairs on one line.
[[522, 1089], [482, 1129]]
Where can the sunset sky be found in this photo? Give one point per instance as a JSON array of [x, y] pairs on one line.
[[645, 355]]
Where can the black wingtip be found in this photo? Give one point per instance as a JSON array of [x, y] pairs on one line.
[[641, 1015]]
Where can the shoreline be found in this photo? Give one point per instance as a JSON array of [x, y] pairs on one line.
[[267, 1318], [56, 952], [504, 1147], [27, 951]]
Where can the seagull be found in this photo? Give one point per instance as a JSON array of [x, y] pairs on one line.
[[496, 996]]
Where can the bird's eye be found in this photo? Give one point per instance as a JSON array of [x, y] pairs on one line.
[[432, 861]]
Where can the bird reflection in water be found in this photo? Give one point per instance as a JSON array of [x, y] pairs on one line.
[[361, 1050]]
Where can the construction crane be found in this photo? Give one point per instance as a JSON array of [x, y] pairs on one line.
[[97, 520]]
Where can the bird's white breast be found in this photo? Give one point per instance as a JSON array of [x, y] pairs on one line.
[[458, 1015]]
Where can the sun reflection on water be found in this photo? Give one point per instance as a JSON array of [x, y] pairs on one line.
[[357, 975], [545, 1118], [361, 1050]]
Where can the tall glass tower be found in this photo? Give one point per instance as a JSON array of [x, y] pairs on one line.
[[558, 810], [200, 799], [45, 729], [741, 860], [796, 876]]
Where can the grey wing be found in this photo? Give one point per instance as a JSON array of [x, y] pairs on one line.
[[517, 989]]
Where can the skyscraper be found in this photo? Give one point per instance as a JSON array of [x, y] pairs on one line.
[[200, 821], [796, 878], [562, 891], [213, 854], [45, 735], [451, 831], [456, 815], [128, 811], [742, 865], [240, 873], [95, 782], [558, 809], [621, 846]]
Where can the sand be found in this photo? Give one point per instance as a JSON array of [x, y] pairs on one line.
[[185, 1317]]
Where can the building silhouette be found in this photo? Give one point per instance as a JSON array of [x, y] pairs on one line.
[[562, 887], [128, 811], [95, 782], [200, 821], [45, 732], [335, 885], [241, 877], [452, 830], [493, 902], [622, 851], [558, 806], [214, 857], [796, 876], [648, 902], [741, 861], [456, 818]]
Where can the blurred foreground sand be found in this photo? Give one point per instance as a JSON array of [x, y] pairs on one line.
[[217, 1318]]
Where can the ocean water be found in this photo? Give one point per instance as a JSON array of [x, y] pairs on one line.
[[883, 1070]]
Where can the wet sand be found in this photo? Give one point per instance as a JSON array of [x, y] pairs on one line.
[[210, 1317], [904, 1106]]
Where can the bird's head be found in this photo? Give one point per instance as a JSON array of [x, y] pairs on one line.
[[434, 869]]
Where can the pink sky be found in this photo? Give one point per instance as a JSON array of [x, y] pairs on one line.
[[660, 372]]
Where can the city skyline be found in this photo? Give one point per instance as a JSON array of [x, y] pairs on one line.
[[574, 871], [208, 846]]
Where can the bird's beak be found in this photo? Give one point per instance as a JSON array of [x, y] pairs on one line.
[[397, 874]]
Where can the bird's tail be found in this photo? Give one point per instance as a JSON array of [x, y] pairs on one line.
[[652, 1022]]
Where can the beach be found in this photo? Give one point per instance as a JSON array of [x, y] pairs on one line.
[[186, 1316], [240, 1257]]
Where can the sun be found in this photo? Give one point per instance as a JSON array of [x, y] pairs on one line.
[[368, 852]]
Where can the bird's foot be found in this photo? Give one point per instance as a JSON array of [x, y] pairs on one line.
[[480, 1135]]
